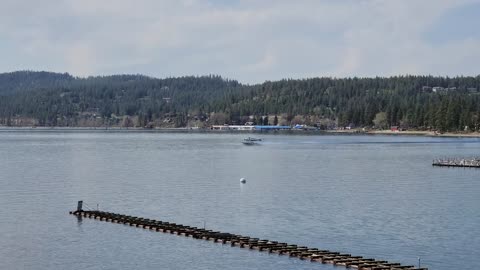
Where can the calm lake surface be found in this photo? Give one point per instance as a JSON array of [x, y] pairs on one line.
[[374, 196]]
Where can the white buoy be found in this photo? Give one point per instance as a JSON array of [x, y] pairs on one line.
[[243, 180]]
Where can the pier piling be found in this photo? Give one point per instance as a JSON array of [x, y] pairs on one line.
[[457, 162], [301, 252]]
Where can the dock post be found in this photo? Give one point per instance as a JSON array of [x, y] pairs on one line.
[[79, 206], [301, 252]]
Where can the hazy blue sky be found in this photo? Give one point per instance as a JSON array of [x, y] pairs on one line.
[[248, 40]]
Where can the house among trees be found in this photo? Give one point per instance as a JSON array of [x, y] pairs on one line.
[[437, 89], [472, 90], [426, 89]]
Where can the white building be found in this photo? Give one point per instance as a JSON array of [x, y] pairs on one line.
[[232, 127]]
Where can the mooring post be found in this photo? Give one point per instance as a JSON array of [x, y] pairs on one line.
[[301, 252], [79, 206]]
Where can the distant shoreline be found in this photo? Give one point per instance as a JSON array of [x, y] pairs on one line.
[[424, 133]]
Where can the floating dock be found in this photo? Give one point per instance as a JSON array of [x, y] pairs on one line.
[[301, 252], [457, 162]]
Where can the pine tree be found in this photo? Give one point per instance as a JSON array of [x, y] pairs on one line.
[[265, 120]]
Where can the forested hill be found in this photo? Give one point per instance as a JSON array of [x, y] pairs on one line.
[[14, 82], [419, 102]]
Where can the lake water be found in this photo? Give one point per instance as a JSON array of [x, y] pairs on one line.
[[374, 196]]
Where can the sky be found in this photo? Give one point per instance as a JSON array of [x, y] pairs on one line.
[[248, 40]]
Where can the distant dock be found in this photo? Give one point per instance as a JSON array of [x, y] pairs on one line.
[[457, 162], [301, 252]]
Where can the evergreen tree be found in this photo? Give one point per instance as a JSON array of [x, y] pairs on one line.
[[265, 120]]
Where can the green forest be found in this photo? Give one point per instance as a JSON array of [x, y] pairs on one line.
[[29, 98]]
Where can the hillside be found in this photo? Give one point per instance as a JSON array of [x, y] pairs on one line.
[[414, 102], [19, 81]]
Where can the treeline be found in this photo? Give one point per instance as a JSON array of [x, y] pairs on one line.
[[419, 102]]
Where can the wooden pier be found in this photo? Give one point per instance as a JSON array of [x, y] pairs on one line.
[[301, 252], [457, 162]]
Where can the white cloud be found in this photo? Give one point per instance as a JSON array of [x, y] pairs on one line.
[[81, 59], [249, 40], [266, 63]]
